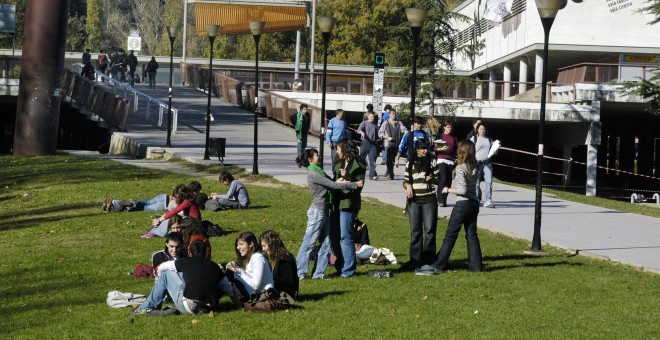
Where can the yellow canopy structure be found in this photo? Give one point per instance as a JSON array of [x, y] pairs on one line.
[[235, 18]]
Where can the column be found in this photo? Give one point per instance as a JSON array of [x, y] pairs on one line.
[[507, 81], [538, 69], [522, 76], [492, 85], [479, 91]]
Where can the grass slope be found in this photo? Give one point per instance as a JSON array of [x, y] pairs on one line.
[[62, 255]]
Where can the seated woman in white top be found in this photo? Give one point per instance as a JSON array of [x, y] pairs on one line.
[[251, 270]]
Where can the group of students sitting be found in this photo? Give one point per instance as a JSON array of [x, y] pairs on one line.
[[185, 272]]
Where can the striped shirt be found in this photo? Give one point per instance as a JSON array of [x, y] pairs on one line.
[[423, 189]]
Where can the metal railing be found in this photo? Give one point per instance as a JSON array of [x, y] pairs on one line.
[[137, 95]]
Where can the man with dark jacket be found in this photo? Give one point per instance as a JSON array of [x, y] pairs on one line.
[[194, 292], [300, 121], [132, 62]]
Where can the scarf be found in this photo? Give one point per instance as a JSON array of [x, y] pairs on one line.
[[299, 122]]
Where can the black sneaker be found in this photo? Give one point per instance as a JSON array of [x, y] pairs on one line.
[[163, 312]]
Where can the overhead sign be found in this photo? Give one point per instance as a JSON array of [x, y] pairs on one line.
[[134, 43], [8, 19]]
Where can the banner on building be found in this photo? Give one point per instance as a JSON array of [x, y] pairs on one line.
[[379, 80], [496, 10]]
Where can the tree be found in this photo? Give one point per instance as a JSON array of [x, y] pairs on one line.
[[648, 89], [94, 26], [75, 37]]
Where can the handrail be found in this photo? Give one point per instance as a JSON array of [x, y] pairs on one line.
[[136, 98], [137, 94]]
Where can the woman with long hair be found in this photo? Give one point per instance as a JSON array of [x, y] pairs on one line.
[[420, 179], [251, 270], [445, 151], [282, 263], [346, 205], [464, 213], [318, 223]]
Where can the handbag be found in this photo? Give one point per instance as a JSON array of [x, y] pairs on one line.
[[266, 301]]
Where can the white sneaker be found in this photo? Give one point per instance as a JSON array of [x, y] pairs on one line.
[[489, 205]]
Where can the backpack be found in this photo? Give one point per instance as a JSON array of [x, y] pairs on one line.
[[212, 229], [117, 299]]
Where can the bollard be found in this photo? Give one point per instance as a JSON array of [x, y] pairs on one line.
[[633, 198], [656, 197]]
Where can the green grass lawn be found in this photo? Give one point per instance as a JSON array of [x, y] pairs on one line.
[[62, 255]]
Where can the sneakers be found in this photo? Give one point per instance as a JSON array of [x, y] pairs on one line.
[[148, 235], [425, 270], [375, 178], [489, 205], [140, 311], [163, 312]]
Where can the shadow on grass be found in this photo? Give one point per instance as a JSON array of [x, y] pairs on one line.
[[530, 265], [319, 296], [36, 216]]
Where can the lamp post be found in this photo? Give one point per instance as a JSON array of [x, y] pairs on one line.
[[212, 31], [416, 18], [257, 27], [547, 11], [326, 24], [171, 32]]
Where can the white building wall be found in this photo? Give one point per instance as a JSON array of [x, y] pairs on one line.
[[605, 25]]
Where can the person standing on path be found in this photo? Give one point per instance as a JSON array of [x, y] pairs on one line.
[[300, 121], [337, 131], [132, 62], [391, 132], [368, 129], [482, 145]]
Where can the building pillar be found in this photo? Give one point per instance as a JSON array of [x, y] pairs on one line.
[[538, 69], [40, 88], [593, 140], [507, 81], [479, 91], [522, 76], [492, 85]]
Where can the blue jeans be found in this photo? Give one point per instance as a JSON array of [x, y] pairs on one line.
[[342, 241], [302, 145], [161, 229], [318, 228], [158, 203], [464, 214], [369, 152], [485, 169], [171, 282], [423, 225]]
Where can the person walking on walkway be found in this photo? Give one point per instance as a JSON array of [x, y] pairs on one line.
[[368, 129], [463, 214], [391, 132], [446, 154], [482, 145], [152, 66], [337, 131]]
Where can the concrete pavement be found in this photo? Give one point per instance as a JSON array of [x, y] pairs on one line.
[[621, 237]]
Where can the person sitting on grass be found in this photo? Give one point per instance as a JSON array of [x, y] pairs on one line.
[[186, 205], [173, 251], [282, 263], [194, 292], [236, 197], [193, 231], [162, 229], [251, 271]]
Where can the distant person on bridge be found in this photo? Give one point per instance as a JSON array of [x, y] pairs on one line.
[[151, 71], [132, 62], [87, 57]]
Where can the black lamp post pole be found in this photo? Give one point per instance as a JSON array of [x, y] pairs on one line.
[[536, 238], [208, 105], [168, 143], [255, 166], [411, 134], [326, 41]]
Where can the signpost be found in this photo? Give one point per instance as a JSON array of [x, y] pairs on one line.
[[379, 77], [134, 41]]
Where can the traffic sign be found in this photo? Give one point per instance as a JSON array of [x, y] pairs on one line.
[[134, 43]]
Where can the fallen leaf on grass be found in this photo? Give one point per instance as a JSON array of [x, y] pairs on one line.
[[425, 298], [195, 321]]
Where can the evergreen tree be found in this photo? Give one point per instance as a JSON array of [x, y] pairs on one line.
[[93, 25]]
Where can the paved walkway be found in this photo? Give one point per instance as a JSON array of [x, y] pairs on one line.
[[622, 237]]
